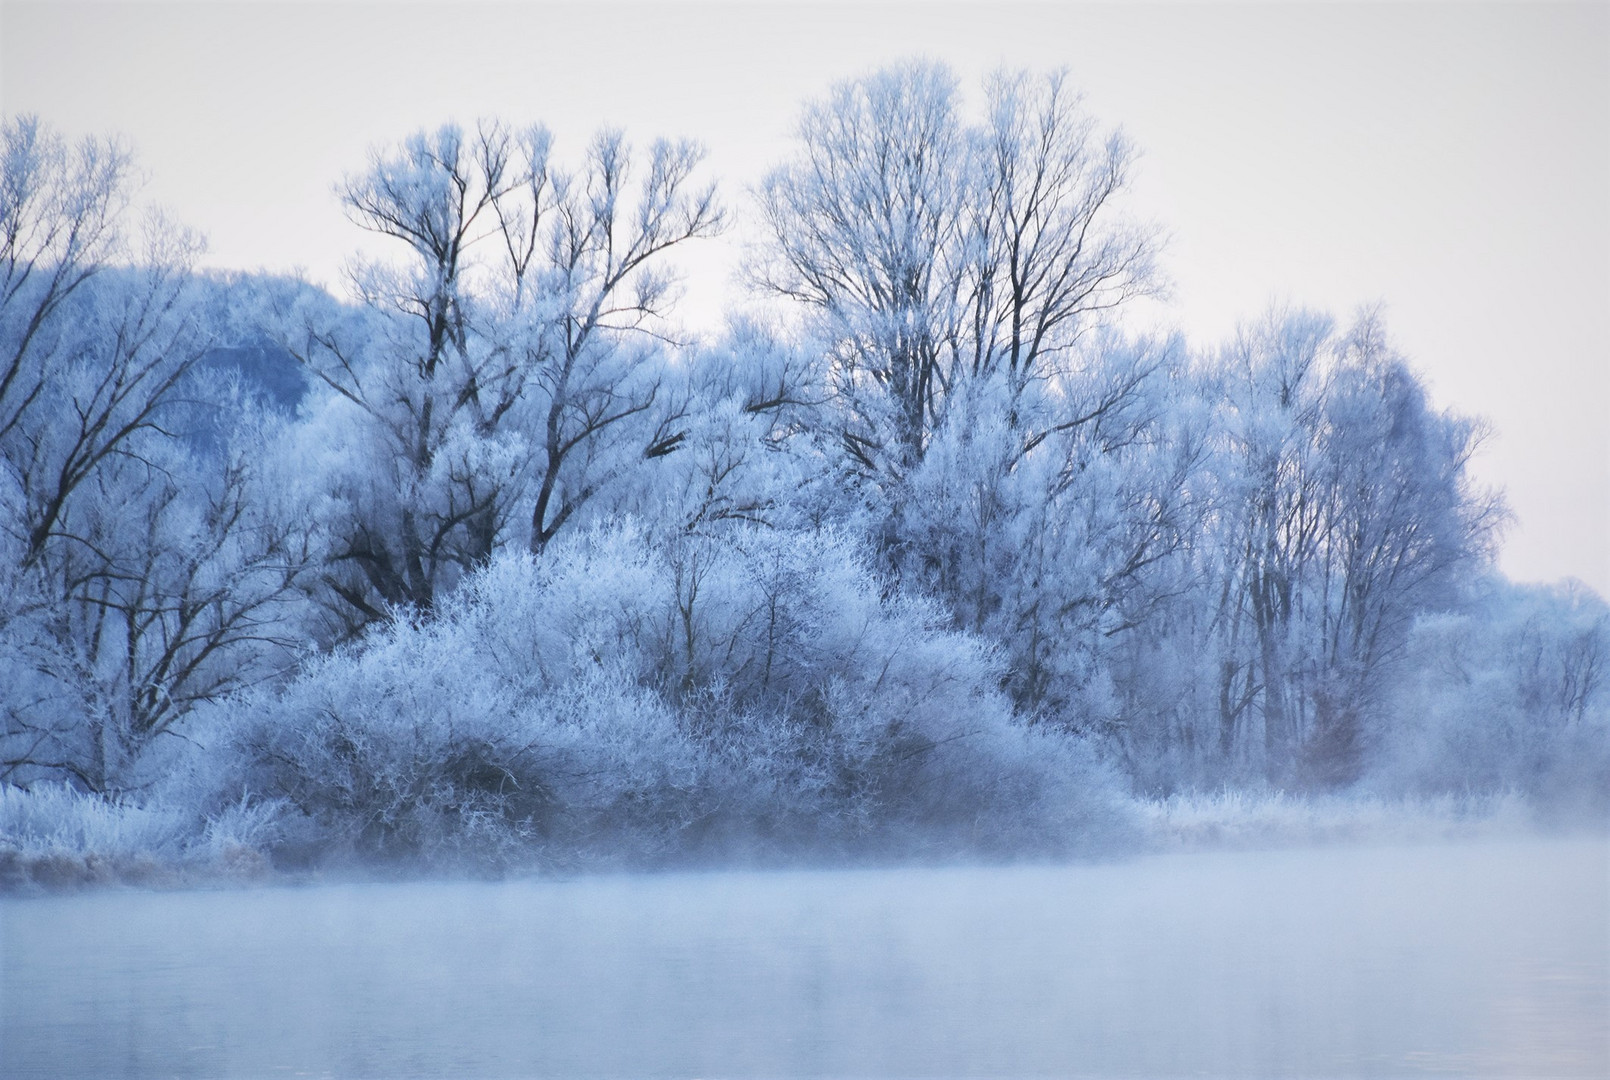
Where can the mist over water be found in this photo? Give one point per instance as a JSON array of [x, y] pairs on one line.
[[1486, 959]]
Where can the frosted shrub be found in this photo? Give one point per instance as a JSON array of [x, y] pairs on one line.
[[54, 836], [631, 697], [54, 818], [848, 717], [415, 745]]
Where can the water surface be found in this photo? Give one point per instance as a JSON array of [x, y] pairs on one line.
[[1475, 960]]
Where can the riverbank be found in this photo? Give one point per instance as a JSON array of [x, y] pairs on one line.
[[55, 840]]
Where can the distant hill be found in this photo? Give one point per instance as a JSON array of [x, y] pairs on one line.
[[266, 372]]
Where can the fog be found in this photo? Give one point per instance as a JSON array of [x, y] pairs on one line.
[[1480, 959]]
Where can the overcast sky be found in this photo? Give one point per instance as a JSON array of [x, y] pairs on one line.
[[1448, 160]]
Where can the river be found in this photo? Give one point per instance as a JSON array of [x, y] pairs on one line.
[[1475, 959]]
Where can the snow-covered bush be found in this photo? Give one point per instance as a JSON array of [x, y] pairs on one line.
[[628, 697], [52, 835], [51, 818]]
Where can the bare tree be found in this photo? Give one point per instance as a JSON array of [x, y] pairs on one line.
[[135, 585], [867, 225], [1348, 513], [936, 251], [602, 268], [80, 375], [175, 583], [59, 215], [1052, 254], [498, 362]]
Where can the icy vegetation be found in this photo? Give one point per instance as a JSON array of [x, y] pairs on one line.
[[490, 564]]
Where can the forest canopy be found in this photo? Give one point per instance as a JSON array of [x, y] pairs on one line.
[[490, 560]]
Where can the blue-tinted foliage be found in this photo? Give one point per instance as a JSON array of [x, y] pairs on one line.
[[492, 561]]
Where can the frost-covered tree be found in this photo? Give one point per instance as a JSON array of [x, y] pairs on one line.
[[177, 582], [1051, 254], [1050, 519], [934, 250], [868, 227], [139, 576], [957, 271], [80, 376], [508, 365], [746, 448], [1346, 512]]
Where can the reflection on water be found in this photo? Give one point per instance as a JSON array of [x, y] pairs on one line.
[[1462, 960]]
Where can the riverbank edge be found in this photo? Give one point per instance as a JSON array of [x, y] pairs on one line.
[[1219, 821]]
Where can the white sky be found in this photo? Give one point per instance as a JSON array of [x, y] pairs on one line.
[[1449, 160]]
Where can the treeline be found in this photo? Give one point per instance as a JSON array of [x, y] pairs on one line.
[[490, 560]]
